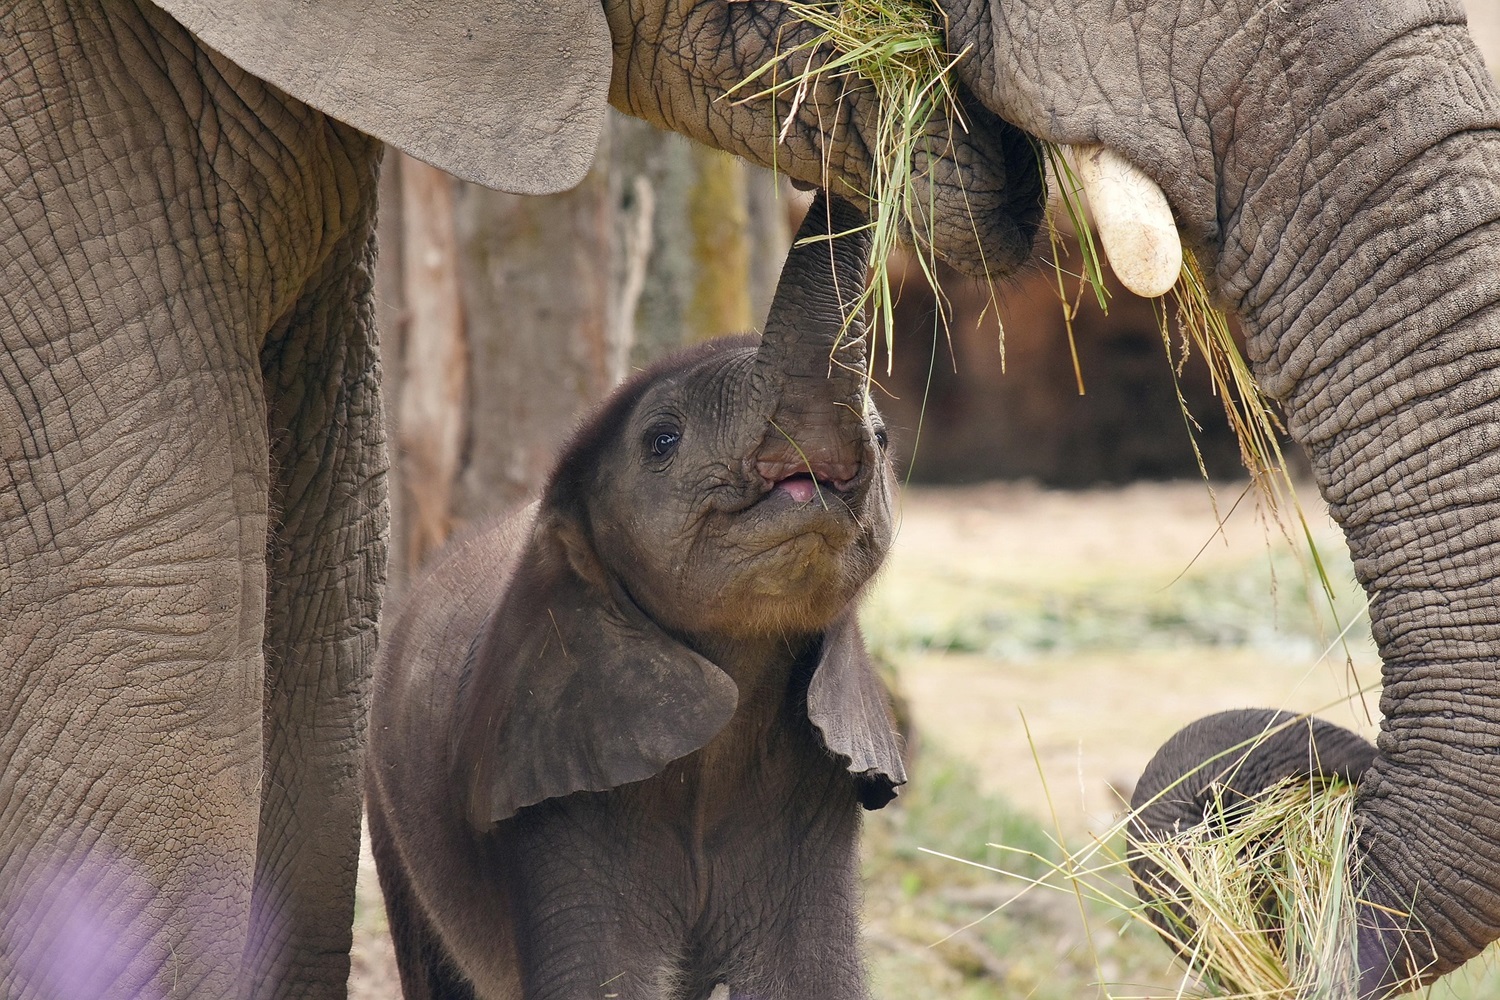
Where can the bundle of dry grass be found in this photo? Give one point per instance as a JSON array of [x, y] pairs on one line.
[[897, 48], [1262, 903]]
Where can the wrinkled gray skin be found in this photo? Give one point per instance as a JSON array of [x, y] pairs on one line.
[[599, 758], [192, 514], [1337, 165]]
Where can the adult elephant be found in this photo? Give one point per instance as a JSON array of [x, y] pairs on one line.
[[192, 518], [1337, 164]]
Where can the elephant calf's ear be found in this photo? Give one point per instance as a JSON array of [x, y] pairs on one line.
[[848, 703], [569, 688]]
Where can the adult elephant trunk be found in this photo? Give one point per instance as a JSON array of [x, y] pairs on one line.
[[810, 372], [1393, 388], [1337, 165], [1399, 406]]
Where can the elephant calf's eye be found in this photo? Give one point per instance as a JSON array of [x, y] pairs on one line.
[[663, 442], [882, 438]]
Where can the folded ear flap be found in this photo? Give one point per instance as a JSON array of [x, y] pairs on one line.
[[849, 704], [508, 94], [572, 688]]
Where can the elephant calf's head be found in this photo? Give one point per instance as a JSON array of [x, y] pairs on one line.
[[718, 516], [651, 684], [742, 489]]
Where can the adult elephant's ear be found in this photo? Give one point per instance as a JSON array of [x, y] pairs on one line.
[[570, 687], [509, 94], [848, 703]]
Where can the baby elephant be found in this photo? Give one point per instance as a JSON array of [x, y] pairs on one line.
[[620, 740]]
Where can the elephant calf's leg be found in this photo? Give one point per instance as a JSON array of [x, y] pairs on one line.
[[327, 563], [806, 943], [427, 972]]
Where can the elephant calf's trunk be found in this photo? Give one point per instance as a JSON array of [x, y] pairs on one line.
[[814, 328], [810, 370]]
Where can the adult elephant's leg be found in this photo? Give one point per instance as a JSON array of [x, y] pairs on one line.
[[160, 213], [327, 561], [132, 534], [132, 526]]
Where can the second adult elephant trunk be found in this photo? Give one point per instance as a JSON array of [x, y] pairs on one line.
[[1400, 421], [1372, 306], [1337, 165], [810, 372]]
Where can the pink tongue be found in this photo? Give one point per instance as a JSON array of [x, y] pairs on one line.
[[800, 488]]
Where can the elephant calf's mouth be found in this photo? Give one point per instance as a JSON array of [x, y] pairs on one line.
[[802, 488], [790, 505], [804, 481]]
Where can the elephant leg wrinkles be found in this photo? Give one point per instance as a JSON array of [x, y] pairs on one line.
[[327, 562], [160, 213]]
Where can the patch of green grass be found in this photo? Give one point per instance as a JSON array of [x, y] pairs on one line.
[[1222, 607], [944, 810], [939, 928]]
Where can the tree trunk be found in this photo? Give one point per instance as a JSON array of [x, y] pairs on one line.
[[431, 418], [718, 235]]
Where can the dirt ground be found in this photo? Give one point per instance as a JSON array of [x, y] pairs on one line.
[[1098, 705], [1102, 619]]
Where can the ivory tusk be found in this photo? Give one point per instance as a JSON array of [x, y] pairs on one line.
[[1132, 218]]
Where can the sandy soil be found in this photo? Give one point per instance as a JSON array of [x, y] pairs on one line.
[[1095, 718]]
